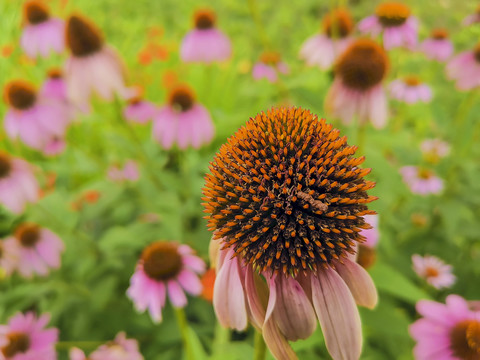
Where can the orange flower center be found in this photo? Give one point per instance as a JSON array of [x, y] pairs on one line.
[[412, 80], [392, 14], [20, 94], [55, 73], [35, 12], [431, 272], [425, 174], [28, 234], [161, 261], [204, 19], [465, 340], [5, 165], [270, 58], [181, 98], [135, 100], [338, 23], [363, 65], [17, 343], [83, 37], [439, 34]]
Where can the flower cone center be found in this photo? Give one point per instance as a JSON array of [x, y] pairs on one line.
[[270, 58], [28, 234], [20, 94], [465, 340], [425, 174], [363, 65], [439, 34], [412, 81], [181, 98], [5, 165], [17, 343], [286, 193], [431, 272], [392, 14], [55, 73], [36, 12], [204, 19], [338, 24], [161, 261], [476, 52], [83, 38]]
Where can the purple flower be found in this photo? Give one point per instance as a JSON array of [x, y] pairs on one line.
[[182, 121], [269, 67], [434, 149], [465, 69], [205, 43], [433, 270], [139, 111], [128, 173], [421, 181], [410, 90], [119, 349], [438, 46], [399, 27], [41, 33], [165, 268]]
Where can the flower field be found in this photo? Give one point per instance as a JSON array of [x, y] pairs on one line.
[[239, 180]]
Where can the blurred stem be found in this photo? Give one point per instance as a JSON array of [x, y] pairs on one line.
[[260, 347], [252, 4], [183, 325], [222, 336]]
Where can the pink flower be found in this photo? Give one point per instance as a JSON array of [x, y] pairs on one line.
[[40, 122], [357, 89], [399, 27], [438, 46], [269, 67], [465, 69], [25, 338], [410, 90], [119, 349], [93, 66], [18, 185], [139, 111], [434, 149], [372, 235], [39, 250], [165, 267], [448, 331], [472, 18], [205, 43], [41, 33], [77, 354], [434, 271], [54, 87], [421, 181], [182, 121], [9, 255], [323, 49], [129, 172]]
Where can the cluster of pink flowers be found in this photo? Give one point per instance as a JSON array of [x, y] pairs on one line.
[[120, 348]]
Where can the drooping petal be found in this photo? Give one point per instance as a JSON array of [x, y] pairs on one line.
[[276, 342], [257, 297], [338, 315]]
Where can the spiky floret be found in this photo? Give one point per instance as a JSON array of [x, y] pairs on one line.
[[286, 192]]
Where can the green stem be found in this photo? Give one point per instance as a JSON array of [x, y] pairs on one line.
[[260, 347], [258, 22], [361, 135], [222, 336], [183, 325]]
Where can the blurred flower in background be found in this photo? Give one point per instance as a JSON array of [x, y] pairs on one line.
[[322, 49], [9, 257], [41, 33], [165, 267], [120, 348], [18, 185], [54, 86], [447, 331], [129, 172], [438, 46], [25, 338], [421, 181], [434, 149], [399, 27], [269, 66], [434, 271], [139, 111], [366, 251], [183, 121], [410, 90], [205, 43], [472, 18], [357, 90], [465, 69]]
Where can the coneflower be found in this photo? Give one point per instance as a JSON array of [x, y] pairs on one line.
[[438, 46], [322, 49], [286, 200], [357, 89], [410, 90], [41, 33], [464, 68], [269, 66]]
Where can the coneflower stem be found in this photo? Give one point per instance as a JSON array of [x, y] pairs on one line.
[[260, 347], [361, 135], [220, 341], [183, 325]]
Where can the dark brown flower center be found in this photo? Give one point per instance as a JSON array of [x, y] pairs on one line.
[[392, 14], [363, 65], [204, 19], [20, 94], [55, 73], [412, 80], [338, 23], [476, 52], [270, 58], [425, 174], [181, 98], [28, 234], [286, 193], [83, 37], [135, 100], [161, 261], [5, 165], [439, 34], [465, 340], [366, 256], [17, 343], [35, 12]]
